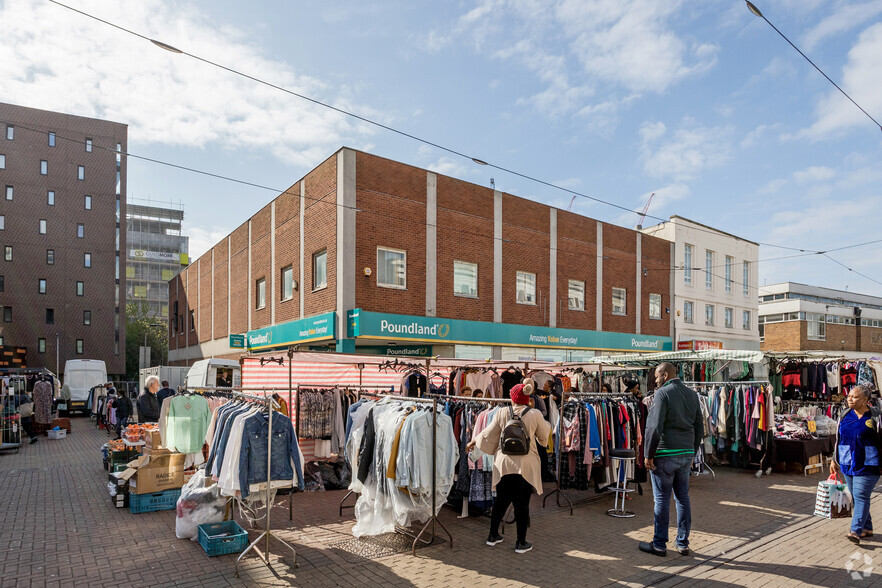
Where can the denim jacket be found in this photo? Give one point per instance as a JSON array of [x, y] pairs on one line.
[[252, 457]]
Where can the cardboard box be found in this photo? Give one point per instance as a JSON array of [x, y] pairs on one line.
[[61, 434], [152, 439], [117, 479], [120, 500], [156, 473], [815, 459], [156, 451]]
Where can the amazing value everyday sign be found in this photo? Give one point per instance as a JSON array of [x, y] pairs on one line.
[[316, 328], [373, 325]]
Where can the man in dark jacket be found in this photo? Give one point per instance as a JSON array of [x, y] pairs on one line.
[[124, 409], [674, 431], [164, 393], [148, 405]]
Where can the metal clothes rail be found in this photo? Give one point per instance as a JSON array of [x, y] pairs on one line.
[[730, 383]]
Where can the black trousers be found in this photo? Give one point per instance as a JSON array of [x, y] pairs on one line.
[[27, 426], [512, 488]]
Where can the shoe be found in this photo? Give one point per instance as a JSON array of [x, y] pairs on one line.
[[683, 550], [34, 440], [854, 538], [866, 534], [523, 547], [650, 548], [494, 539]]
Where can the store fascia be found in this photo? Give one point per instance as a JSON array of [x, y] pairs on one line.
[[394, 335]]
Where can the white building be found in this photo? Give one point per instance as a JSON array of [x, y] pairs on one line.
[[715, 279]]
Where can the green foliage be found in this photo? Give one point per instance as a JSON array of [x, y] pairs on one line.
[[139, 321]]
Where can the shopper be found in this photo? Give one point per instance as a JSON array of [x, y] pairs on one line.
[[857, 458], [632, 387], [148, 405], [515, 477], [123, 405], [25, 406], [164, 393], [674, 431]]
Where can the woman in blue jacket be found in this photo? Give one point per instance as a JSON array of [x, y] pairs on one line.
[[857, 458]]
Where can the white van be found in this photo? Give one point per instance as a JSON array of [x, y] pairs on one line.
[[80, 376], [211, 373]]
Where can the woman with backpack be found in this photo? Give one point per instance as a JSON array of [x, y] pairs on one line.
[[511, 439]]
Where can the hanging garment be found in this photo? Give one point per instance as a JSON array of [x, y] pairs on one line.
[[43, 402]]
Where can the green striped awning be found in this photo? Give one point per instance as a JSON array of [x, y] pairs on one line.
[[644, 359]]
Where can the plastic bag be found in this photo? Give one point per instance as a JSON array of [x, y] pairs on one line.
[[198, 505]]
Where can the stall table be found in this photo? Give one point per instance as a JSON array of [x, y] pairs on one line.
[[801, 450]]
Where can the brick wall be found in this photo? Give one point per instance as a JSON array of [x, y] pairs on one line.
[[239, 279], [620, 271], [576, 260], [786, 336], [220, 299], [320, 218], [205, 300], [261, 266], [525, 247], [288, 251], [657, 265]]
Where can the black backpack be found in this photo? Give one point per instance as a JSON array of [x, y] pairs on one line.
[[514, 439]]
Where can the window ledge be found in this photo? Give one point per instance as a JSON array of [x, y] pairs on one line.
[[576, 309], [260, 307], [619, 313], [320, 288], [526, 303], [289, 299], [391, 286], [473, 297]]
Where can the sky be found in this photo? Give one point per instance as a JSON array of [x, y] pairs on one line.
[[697, 101]]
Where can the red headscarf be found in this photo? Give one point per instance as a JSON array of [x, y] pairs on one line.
[[518, 396]]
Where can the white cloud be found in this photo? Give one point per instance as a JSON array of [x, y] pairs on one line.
[[773, 187], [686, 154], [860, 79], [54, 59], [202, 240], [813, 174], [753, 137], [846, 18]]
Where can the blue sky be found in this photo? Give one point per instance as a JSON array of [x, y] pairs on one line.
[[700, 102]]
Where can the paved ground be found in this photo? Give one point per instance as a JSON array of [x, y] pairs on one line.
[[59, 529]]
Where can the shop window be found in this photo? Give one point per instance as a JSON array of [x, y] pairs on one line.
[[50, 316], [88, 145], [655, 303], [261, 293], [745, 320], [320, 270], [709, 270], [727, 314], [287, 283], [688, 311], [50, 257], [42, 226], [80, 288], [42, 286], [87, 260], [391, 268], [687, 264], [87, 317], [465, 279], [41, 345], [44, 167], [7, 314], [81, 172], [575, 295], [51, 139], [619, 301], [79, 346], [7, 254], [709, 315], [50, 197], [525, 288]]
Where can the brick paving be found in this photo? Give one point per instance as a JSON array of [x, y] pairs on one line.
[[59, 529]]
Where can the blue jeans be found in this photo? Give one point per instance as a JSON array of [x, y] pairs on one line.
[[671, 474], [861, 488]]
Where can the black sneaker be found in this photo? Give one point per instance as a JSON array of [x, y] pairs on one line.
[[523, 547], [34, 440], [494, 539]]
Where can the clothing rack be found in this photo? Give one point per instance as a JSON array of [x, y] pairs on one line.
[[297, 387], [468, 398], [433, 519], [267, 533], [732, 382]]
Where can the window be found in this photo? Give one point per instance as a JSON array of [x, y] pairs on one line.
[[9, 192], [7, 314], [42, 287], [2, 161], [192, 320], [525, 288], [81, 230], [79, 346], [745, 320], [50, 316], [391, 268], [709, 270], [576, 296], [87, 260], [8, 253], [728, 274], [81, 172], [465, 279], [80, 288], [50, 197], [261, 293], [320, 270], [51, 139], [745, 280], [42, 226], [50, 257], [87, 317], [687, 264], [817, 326], [88, 145], [41, 345], [10, 132], [288, 282], [727, 315], [44, 167], [2, 222], [619, 301], [88, 202], [655, 301], [709, 315], [688, 312]]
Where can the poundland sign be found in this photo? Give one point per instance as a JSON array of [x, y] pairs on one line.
[[372, 325], [317, 328]]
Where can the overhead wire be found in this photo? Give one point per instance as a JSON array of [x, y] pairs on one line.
[[386, 127]]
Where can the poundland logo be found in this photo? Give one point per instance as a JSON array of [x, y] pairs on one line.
[[414, 328], [644, 344], [264, 339]]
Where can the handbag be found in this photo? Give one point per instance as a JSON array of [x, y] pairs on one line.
[[833, 500], [26, 410]]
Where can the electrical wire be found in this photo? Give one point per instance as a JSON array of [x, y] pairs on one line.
[[370, 121]]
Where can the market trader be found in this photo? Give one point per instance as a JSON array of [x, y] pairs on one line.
[[674, 431], [148, 404]]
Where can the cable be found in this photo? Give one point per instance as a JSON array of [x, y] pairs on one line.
[[387, 127], [875, 281]]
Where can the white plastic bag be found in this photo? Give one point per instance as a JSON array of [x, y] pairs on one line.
[[198, 505]]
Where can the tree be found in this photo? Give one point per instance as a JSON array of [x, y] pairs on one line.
[[140, 321]]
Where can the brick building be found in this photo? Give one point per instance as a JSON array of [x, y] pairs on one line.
[[797, 317], [60, 275], [369, 255]]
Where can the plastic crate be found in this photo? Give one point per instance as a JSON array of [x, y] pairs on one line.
[[167, 500], [235, 542]]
